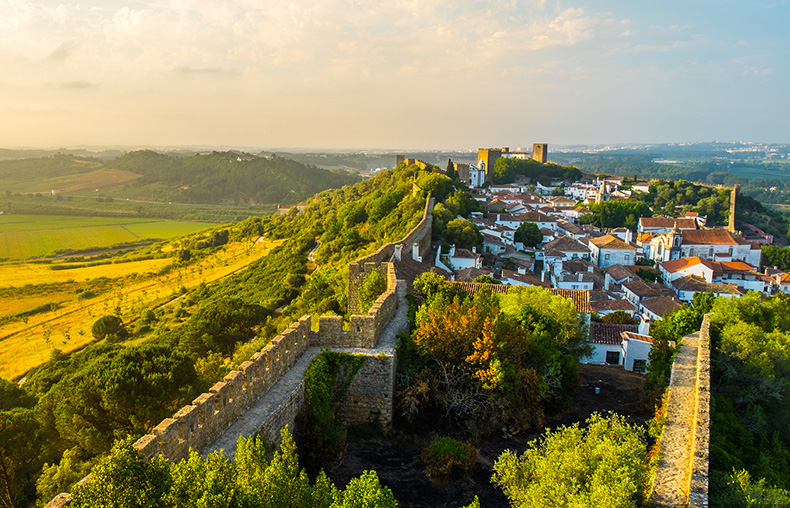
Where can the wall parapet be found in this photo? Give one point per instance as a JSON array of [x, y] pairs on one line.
[[681, 477], [198, 424], [418, 240]]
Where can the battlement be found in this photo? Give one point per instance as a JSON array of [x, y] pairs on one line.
[[198, 424], [369, 398]]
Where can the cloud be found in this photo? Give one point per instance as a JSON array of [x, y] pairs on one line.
[[76, 85], [62, 52]]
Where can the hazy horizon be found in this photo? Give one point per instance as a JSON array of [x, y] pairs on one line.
[[427, 75]]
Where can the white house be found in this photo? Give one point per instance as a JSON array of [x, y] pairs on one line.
[[607, 342], [463, 258], [636, 348], [608, 250], [712, 244]]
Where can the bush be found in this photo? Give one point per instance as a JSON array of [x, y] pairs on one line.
[[447, 459]]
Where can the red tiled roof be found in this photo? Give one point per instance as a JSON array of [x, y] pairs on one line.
[[667, 222], [612, 305], [610, 242], [609, 333], [662, 305], [636, 336], [675, 265], [708, 237]]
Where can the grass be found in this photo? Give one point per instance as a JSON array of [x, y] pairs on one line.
[[102, 179], [25, 236], [25, 344]]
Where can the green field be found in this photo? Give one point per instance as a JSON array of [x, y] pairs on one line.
[[24, 236]]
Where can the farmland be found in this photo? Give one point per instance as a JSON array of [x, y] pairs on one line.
[[25, 236], [128, 289]]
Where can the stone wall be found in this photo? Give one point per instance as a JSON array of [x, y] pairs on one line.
[[364, 329], [682, 475], [198, 424], [370, 393], [418, 241]]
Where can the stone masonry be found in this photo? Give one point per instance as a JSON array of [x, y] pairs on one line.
[[681, 478], [266, 392]]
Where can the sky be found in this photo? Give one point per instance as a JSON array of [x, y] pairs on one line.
[[392, 74]]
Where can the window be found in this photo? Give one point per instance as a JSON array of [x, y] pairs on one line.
[[640, 366], [613, 357], [627, 257], [606, 256]]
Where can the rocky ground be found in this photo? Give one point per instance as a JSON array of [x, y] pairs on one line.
[[396, 456]]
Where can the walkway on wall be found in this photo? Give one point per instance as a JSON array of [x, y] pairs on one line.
[[292, 382], [681, 477]]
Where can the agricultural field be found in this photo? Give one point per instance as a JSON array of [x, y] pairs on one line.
[[131, 288], [99, 180], [25, 236]]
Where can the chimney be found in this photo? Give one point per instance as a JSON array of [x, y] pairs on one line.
[[580, 277], [474, 250], [590, 268], [607, 281], [543, 275]]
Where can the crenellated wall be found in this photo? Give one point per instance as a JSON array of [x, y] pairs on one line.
[[200, 423], [681, 477], [418, 241], [369, 398], [364, 329]]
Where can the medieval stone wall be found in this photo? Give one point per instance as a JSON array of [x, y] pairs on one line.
[[369, 396], [418, 241], [681, 478]]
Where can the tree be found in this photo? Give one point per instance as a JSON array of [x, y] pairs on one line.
[[464, 234], [108, 327], [601, 465], [20, 447], [619, 317], [529, 234], [451, 170], [372, 287]]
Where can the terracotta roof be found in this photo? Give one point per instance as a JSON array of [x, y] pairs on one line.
[[636, 336], [695, 283], [465, 253], [565, 244], [641, 288], [619, 272], [612, 305], [572, 228], [533, 216], [708, 237], [610, 242], [609, 333], [667, 222], [644, 237], [525, 278], [662, 305], [469, 274], [675, 265], [581, 209]]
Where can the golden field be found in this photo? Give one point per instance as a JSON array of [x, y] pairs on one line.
[[25, 344]]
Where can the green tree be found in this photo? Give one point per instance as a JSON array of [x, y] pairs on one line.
[[20, 449], [529, 234], [464, 234], [601, 465], [124, 480], [109, 326], [451, 174], [371, 288]]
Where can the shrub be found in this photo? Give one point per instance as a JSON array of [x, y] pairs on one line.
[[447, 459]]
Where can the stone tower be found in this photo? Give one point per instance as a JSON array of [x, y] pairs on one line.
[[540, 152], [487, 157]]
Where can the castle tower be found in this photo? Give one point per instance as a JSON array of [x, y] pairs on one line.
[[540, 152], [399, 159], [487, 157], [733, 197]]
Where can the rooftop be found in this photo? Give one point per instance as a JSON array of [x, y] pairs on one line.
[[609, 333], [610, 242], [662, 305]]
